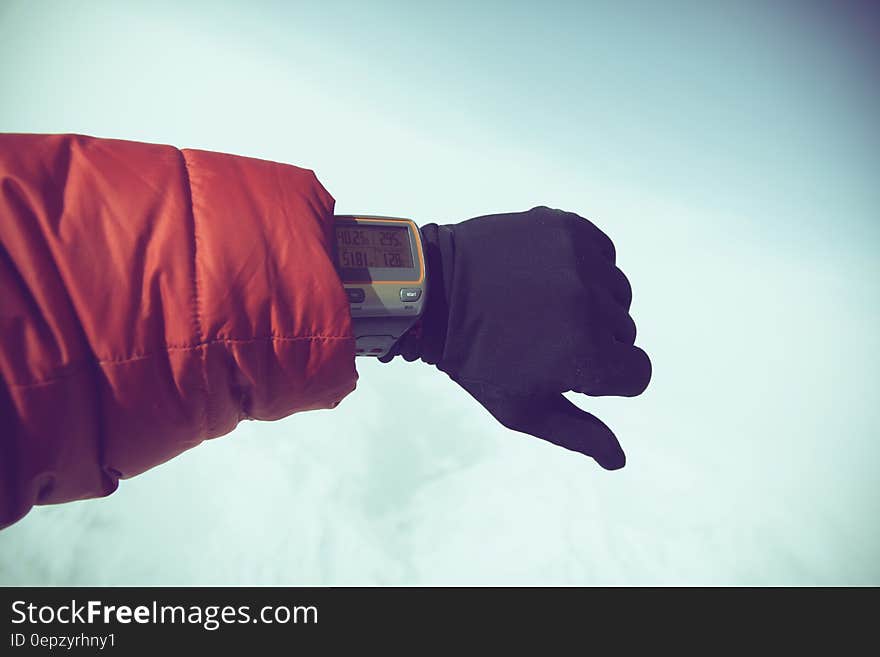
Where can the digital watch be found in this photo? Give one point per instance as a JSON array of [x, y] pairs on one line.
[[381, 262]]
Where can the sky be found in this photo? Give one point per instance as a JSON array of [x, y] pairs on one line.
[[730, 150]]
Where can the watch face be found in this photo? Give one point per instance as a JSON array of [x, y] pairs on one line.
[[377, 250], [382, 267], [373, 247]]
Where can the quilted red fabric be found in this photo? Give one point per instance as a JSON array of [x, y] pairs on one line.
[[151, 298]]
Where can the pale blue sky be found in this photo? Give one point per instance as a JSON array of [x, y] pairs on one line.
[[731, 151]]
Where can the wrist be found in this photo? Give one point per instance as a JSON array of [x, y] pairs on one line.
[[426, 339], [439, 246]]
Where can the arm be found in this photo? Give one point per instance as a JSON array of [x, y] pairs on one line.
[[151, 298]]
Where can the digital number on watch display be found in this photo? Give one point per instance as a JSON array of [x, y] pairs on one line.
[[362, 246]]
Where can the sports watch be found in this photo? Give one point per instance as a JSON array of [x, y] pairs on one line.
[[381, 262]]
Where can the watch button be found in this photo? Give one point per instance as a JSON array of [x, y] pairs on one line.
[[410, 293], [355, 294]]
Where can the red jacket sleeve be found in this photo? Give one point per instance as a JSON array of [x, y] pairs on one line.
[[151, 298]]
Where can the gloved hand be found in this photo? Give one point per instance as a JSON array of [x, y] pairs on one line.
[[522, 307]]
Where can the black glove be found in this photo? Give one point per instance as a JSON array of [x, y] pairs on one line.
[[523, 307]]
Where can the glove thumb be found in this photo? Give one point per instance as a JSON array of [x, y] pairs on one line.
[[553, 418]]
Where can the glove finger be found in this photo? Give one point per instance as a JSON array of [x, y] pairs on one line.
[[598, 272], [620, 288], [625, 329], [553, 418], [625, 371], [597, 236], [591, 232], [619, 321]]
